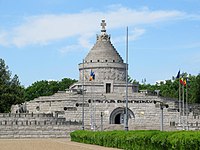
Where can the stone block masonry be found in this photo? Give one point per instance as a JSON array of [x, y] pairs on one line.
[[35, 126]]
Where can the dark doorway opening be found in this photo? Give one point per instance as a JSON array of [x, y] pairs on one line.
[[118, 119], [117, 115], [108, 86]]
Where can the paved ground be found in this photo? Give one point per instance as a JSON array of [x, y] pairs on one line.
[[46, 144]]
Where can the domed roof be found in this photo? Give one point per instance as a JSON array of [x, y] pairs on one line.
[[103, 50]]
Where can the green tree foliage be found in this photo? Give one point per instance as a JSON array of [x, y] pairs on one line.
[[65, 83], [149, 87], [197, 92], [46, 88], [11, 92], [194, 89], [130, 80], [170, 88]]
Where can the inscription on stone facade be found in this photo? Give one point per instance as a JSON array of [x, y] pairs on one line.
[[119, 101], [70, 108], [81, 105], [143, 101]]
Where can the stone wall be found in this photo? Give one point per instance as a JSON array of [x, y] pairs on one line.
[[116, 72], [35, 126], [146, 114]]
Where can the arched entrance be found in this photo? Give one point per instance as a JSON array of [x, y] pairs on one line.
[[118, 119], [117, 115]]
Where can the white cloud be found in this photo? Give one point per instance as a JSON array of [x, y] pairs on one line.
[[3, 39], [132, 35], [137, 32], [84, 40], [46, 28]]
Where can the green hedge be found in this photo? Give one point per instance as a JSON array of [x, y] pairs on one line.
[[140, 140]]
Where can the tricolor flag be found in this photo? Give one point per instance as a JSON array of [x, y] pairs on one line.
[[92, 76], [183, 81]]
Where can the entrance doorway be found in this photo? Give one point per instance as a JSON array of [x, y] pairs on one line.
[[117, 115], [119, 119]]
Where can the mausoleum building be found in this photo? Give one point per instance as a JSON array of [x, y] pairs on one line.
[[102, 77]]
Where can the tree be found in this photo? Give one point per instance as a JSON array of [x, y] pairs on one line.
[[39, 88], [194, 89], [47, 88], [65, 83], [11, 92], [197, 94], [191, 87], [170, 88]]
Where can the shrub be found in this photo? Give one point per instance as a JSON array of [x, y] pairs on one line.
[[140, 140]]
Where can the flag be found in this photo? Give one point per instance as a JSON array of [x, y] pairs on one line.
[[92, 76], [183, 81], [178, 75]]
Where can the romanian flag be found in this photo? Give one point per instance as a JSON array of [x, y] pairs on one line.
[[92, 76], [183, 81]]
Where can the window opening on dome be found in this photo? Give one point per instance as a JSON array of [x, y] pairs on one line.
[[108, 87], [90, 60], [97, 60], [113, 60], [106, 60]]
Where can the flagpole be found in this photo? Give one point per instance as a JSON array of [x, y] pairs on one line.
[[83, 99], [187, 105], [94, 111], [91, 112], [179, 101], [126, 120], [183, 106]]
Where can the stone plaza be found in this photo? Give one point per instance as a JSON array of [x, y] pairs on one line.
[[98, 99]]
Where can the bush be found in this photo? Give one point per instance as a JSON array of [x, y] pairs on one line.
[[140, 140]]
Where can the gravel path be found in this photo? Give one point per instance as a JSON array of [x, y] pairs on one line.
[[46, 144]]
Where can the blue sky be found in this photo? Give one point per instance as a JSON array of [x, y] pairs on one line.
[[47, 39]]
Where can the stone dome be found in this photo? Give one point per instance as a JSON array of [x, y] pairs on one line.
[[104, 60], [103, 50]]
